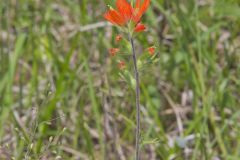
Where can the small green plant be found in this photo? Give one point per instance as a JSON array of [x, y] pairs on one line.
[[128, 18]]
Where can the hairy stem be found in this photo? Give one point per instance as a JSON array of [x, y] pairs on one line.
[[137, 92]]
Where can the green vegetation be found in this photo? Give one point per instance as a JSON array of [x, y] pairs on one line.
[[61, 96]]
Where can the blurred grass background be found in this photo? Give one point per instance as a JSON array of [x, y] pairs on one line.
[[61, 96]]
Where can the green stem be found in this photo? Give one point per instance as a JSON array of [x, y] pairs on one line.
[[137, 92]]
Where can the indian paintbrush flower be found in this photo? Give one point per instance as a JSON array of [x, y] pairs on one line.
[[128, 16]]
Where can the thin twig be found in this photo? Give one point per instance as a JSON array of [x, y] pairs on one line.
[[137, 92]]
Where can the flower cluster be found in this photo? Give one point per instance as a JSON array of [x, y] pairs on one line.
[[128, 16], [116, 51]]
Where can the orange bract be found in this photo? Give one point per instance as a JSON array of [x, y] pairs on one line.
[[113, 51], [121, 64], [139, 10], [139, 27], [118, 38], [126, 13], [151, 50]]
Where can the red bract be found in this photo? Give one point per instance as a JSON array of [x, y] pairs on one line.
[[121, 64], [118, 38], [139, 27], [113, 51], [151, 50], [126, 13]]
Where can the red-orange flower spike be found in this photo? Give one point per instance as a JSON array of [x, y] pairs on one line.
[[118, 38], [126, 13], [139, 27], [151, 51], [121, 64], [113, 51]]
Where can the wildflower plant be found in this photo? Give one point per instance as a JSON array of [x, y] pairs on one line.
[[127, 17]]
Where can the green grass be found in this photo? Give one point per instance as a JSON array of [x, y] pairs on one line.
[[61, 96]]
